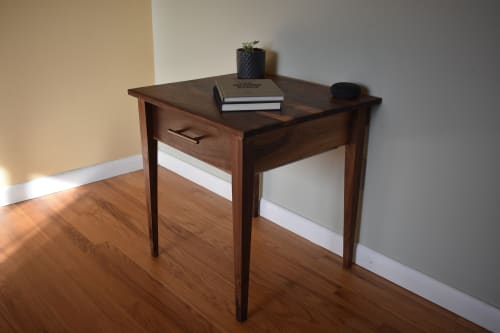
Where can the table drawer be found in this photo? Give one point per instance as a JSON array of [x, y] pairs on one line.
[[193, 135]]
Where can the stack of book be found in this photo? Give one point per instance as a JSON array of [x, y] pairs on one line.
[[247, 95]]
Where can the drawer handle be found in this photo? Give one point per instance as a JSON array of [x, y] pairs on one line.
[[179, 134]]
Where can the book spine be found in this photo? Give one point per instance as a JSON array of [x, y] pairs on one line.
[[244, 106], [220, 91]]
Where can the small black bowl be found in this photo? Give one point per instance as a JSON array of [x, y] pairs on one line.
[[345, 90]]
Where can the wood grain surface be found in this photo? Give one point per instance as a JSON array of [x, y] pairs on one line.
[[78, 261], [214, 144], [304, 101]]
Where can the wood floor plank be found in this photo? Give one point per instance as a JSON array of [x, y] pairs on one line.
[[79, 261], [273, 276]]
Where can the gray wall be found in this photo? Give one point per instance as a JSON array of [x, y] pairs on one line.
[[431, 196]]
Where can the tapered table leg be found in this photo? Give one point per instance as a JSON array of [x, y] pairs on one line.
[[354, 168], [150, 161], [256, 194], [242, 186]]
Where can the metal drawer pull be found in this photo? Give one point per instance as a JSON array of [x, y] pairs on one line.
[[178, 133]]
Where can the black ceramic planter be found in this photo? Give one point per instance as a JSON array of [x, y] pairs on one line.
[[251, 65]]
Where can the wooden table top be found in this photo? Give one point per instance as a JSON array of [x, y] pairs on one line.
[[303, 101]]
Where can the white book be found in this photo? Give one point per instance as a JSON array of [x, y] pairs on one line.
[[245, 106], [250, 106]]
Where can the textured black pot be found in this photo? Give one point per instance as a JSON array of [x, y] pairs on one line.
[[251, 65]]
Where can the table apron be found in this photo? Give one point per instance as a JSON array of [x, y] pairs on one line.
[[298, 141], [269, 149]]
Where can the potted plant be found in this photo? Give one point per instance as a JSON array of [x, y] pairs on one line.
[[251, 61]]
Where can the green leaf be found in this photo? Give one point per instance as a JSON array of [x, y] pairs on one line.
[[248, 46]]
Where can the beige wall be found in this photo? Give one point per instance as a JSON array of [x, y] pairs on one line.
[[65, 67], [432, 184]]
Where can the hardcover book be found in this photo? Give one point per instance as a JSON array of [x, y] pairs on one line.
[[244, 106], [258, 90]]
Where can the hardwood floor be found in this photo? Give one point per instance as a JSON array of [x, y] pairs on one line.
[[79, 261]]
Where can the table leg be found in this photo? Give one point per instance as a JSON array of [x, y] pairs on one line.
[[354, 169], [256, 194], [242, 185], [150, 162]]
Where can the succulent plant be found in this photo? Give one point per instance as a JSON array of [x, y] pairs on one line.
[[249, 46]]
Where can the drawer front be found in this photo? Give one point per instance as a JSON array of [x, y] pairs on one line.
[[193, 136]]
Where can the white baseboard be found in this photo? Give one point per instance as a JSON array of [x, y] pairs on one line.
[[197, 176], [437, 292], [454, 300], [301, 226], [63, 181]]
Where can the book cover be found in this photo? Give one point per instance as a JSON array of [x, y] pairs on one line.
[[244, 106], [258, 90]]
